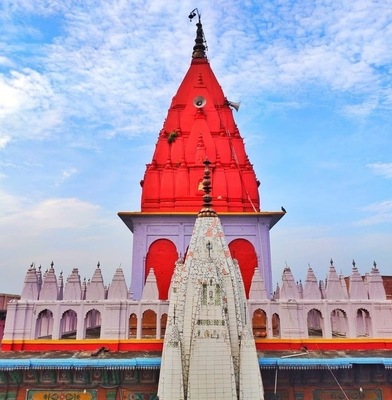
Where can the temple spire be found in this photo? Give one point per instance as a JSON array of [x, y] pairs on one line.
[[199, 49]]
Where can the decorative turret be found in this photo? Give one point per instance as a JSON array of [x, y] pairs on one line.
[[30, 288], [73, 287], [257, 288], [49, 290], [311, 289], [150, 290], [357, 286], [96, 288], [118, 288], [289, 289], [333, 288], [376, 286]]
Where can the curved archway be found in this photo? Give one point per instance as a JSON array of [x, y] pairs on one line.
[[339, 323], [132, 326], [363, 323], [44, 325], [162, 255], [149, 324], [163, 325], [275, 325], [315, 323], [68, 324], [244, 252], [259, 324], [92, 324]]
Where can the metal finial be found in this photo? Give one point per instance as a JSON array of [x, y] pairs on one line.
[[331, 262], [207, 210], [98, 264], [354, 263], [199, 49]]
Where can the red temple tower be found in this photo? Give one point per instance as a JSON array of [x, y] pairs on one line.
[[199, 126]]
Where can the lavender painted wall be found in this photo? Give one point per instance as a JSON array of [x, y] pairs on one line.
[[178, 228]]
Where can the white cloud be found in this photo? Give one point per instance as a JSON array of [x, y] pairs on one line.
[[4, 140], [381, 213], [363, 109], [66, 174], [9, 204], [28, 106], [115, 65], [5, 62], [20, 214], [382, 169]]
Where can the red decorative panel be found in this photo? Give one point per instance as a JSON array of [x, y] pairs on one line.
[[244, 252], [162, 256]]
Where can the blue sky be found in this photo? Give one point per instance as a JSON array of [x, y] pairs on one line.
[[85, 87]]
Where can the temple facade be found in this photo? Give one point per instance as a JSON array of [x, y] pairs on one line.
[[201, 313]]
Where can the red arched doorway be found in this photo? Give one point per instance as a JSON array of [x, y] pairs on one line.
[[162, 256], [244, 252]]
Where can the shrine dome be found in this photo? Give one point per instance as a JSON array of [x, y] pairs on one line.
[[199, 126]]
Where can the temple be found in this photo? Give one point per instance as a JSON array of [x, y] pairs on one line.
[[201, 318], [199, 125]]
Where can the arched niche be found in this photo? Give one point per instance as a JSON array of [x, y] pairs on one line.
[[162, 255], [244, 252], [163, 325], [275, 325], [149, 324], [339, 323], [68, 324], [132, 326], [44, 325], [259, 323], [315, 323], [363, 323], [92, 324]]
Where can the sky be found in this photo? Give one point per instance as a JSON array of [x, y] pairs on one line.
[[85, 87]]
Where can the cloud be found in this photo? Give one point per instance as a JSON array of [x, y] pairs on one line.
[[19, 214], [28, 107], [4, 140], [5, 62], [111, 68], [382, 169], [381, 213], [65, 175], [362, 109]]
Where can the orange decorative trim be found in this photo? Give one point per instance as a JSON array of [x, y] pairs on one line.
[[157, 345], [83, 345], [323, 344]]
